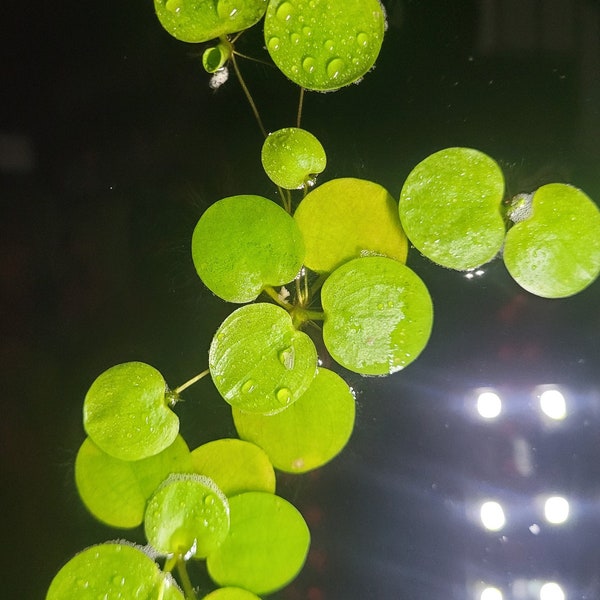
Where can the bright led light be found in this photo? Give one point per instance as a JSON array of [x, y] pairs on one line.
[[489, 405], [556, 509], [551, 591], [492, 516], [552, 403], [491, 593]]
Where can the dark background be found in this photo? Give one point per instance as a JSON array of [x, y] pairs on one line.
[[111, 146]]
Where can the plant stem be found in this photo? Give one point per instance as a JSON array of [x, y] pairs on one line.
[[193, 380], [300, 106], [278, 299], [188, 589]]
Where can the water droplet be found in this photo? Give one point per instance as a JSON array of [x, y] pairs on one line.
[[295, 38], [226, 9], [84, 583], [362, 38], [380, 306], [249, 386], [118, 580], [173, 6], [287, 356], [334, 67], [209, 500], [274, 43], [307, 31], [308, 64], [329, 45], [284, 395], [285, 10]]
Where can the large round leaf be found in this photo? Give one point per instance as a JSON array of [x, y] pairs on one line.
[[266, 546], [378, 315], [346, 218], [324, 44], [555, 252], [450, 208], [242, 244], [259, 362], [116, 491], [292, 156], [235, 466], [126, 412], [112, 570], [203, 20], [187, 515], [310, 432]]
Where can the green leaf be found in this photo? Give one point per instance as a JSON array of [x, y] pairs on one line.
[[235, 466], [378, 315], [266, 547], [259, 362], [309, 433], [450, 208], [555, 251], [347, 218], [242, 244], [126, 412], [203, 20], [116, 491], [188, 514], [112, 570], [214, 58], [324, 44], [231, 593], [291, 157]]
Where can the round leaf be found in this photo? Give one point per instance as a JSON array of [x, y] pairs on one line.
[[126, 413], [310, 432], [378, 315], [346, 218], [259, 362], [292, 156], [266, 547], [203, 20], [231, 593], [188, 515], [242, 244], [556, 251], [116, 491], [112, 570], [235, 466], [450, 208], [324, 44]]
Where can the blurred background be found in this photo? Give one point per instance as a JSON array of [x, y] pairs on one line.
[[471, 475]]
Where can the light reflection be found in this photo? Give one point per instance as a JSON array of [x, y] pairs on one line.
[[556, 510], [551, 591], [553, 405], [492, 515], [491, 593], [489, 405]]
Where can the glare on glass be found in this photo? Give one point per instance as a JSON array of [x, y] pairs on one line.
[[492, 515], [491, 593], [556, 510], [552, 591], [489, 405], [552, 403]]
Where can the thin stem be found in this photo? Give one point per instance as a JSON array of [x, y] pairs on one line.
[[300, 106], [193, 380], [277, 297], [188, 588], [247, 93]]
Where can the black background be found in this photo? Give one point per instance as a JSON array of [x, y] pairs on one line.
[[112, 146]]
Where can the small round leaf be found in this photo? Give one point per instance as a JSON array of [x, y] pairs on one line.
[[231, 593], [242, 244], [450, 208], [266, 547], [259, 361], [203, 20], [292, 156], [378, 315], [116, 491], [555, 252], [112, 570], [346, 218], [309, 433], [235, 466], [324, 44], [188, 515], [126, 412]]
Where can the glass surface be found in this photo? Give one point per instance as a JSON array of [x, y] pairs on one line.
[[473, 474]]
